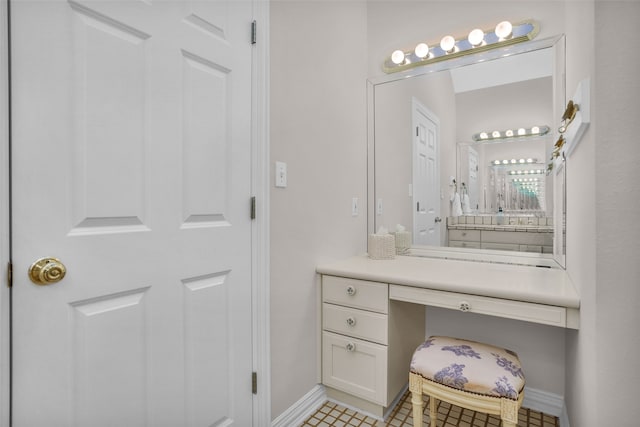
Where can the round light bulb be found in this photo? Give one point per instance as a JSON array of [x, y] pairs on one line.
[[495, 134], [509, 133], [529, 160], [504, 29], [448, 43], [476, 37], [496, 162], [521, 160], [505, 162], [521, 132], [422, 50], [483, 135], [535, 129], [513, 161], [397, 57]]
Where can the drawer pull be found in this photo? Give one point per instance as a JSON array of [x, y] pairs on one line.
[[465, 306], [351, 321], [350, 347], [351, 290]]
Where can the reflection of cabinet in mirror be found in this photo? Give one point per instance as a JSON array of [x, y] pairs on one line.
[[516, 233]]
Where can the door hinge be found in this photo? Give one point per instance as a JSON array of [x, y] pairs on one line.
[[254, 32], [253, 207], [9, 275], [254, 382]]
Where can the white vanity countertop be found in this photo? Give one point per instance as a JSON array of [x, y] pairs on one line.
[[514, 282]]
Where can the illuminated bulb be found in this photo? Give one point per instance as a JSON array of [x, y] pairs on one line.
[[496, 162], [397, 57], [521, 132], [509, 133], [535, 129], [532, 171], [495, 134], [513, 161], [529, 160], [521, 160], [505, 162], [448, 43], [503, 30], [422, 50], [519, 172], [476, 37], [484, 135]]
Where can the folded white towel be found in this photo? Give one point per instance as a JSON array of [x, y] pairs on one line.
[[456, 208], [466, 204]]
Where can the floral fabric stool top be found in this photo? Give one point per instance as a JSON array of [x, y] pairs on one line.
[[470, 374]]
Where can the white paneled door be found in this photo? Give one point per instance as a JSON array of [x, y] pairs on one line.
[[427, 220], [131, 165]]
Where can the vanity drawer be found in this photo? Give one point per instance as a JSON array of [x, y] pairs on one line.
[[500, 246], [356, 293], [355, 366], [467, 235], [527, 311], [362, 324], [462, 244]]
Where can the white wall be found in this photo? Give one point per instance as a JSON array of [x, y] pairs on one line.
[[603, 248], [318, 127]]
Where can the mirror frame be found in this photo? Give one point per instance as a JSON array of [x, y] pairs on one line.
[[559, 102]]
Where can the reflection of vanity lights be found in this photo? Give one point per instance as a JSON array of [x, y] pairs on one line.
[[527, 172], [511, 133], [513, 162], [449, 47]]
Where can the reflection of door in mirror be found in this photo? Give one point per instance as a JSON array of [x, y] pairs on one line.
[[426, 176]]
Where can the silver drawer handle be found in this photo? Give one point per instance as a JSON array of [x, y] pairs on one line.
[[351, 321], [351, 290], [351, 346], [465, 306]]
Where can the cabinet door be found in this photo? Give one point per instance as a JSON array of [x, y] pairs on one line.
[[355, 366]]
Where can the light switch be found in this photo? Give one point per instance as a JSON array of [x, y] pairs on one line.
[[354, 206], [281, 174]]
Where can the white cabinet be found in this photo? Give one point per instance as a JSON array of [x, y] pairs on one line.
[[523, 241], [367, 341]]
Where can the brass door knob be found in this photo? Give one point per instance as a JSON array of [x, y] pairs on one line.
[[47, 271]]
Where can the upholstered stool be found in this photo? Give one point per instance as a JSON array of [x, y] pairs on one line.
[[469, 374]]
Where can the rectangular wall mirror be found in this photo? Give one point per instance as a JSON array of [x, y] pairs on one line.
[[449, 163]]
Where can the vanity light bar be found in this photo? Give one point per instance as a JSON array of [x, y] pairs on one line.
[[511, 133], [527, 172], [504, 34], [507, 162]]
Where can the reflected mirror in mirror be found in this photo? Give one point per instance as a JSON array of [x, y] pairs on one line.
[[490, 194]]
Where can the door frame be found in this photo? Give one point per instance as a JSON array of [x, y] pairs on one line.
[[259, 229]]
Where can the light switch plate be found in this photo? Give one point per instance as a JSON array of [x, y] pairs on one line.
[[281, 174]]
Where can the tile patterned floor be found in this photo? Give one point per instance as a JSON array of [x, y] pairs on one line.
[[332, 414]]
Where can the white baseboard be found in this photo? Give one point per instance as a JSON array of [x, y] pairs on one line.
[[538, 400], [543, 401], [302, 409], [564, 418]]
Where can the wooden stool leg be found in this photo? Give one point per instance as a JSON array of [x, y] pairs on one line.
[[416, 403], [433, 410], [509, 413], [415, 386]]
